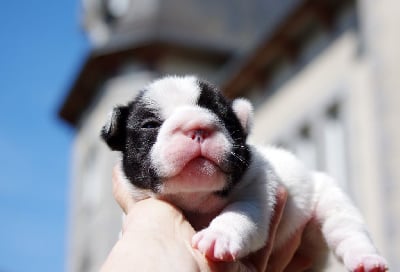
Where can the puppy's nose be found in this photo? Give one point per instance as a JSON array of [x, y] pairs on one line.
[[199, 135]]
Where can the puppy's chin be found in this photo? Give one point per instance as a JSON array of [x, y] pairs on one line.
[[198, 175]]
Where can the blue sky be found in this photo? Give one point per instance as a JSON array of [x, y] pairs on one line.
[[41, 50]]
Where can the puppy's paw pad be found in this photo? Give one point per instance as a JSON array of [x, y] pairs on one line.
[[217, 245], [371, 263]]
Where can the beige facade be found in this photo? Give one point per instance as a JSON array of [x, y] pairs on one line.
[[334, 101], [344, 145]]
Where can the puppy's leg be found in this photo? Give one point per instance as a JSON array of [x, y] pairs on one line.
[[344, 229], [241, 228]]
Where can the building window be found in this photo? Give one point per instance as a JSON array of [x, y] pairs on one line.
[[320, 143], [305, 147], [334, 142], [91, 189], [85, 261]]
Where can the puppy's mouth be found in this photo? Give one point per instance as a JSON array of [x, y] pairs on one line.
[[199, 174], [201, 166]]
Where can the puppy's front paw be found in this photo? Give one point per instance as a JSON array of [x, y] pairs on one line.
[[367, 263], [218, 244]]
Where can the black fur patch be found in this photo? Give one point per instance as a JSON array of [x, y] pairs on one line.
[[142, 130], [239, 160], [137, 130], [114, 132]]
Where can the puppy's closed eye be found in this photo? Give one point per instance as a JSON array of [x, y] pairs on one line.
[[151, 124]]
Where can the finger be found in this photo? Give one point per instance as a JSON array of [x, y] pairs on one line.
[[238, 266], [282, 257], [121, 191], [298, 264], [261, 257]]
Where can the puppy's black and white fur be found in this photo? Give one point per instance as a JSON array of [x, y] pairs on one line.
[[183, 142]]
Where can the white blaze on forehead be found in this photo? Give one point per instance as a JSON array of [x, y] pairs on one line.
[[170, 92]]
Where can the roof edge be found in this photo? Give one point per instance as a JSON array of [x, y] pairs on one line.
[[103, 63]]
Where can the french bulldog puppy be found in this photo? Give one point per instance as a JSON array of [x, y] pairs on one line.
[[183, 142]]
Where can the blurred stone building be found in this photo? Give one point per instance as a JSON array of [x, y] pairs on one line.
[[323, 76]]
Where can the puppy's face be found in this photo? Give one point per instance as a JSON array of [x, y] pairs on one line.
[[180, 135]]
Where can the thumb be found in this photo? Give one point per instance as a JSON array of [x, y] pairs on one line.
[[121, 190]]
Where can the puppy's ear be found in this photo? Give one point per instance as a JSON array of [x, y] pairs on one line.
[[114, 131], [244, 111]]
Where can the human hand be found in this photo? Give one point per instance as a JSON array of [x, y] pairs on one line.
[[157, 237]]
